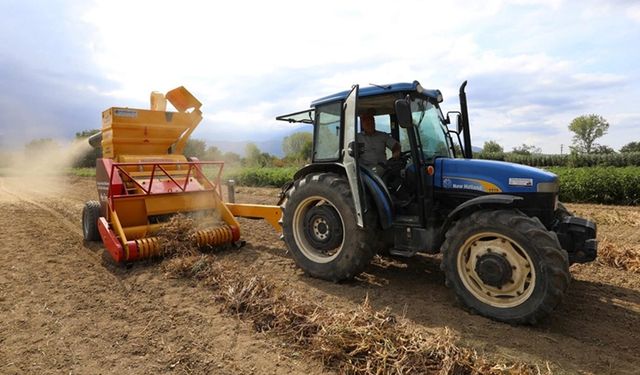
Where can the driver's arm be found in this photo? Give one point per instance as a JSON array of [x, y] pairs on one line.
[[395, 151], [394, 146]]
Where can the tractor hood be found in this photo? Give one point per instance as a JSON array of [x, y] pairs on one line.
[[492, 177]]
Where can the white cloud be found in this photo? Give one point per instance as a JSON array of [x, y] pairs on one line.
[[633, 12], [531, 67]]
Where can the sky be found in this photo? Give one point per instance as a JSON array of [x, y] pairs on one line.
[[531, 65]]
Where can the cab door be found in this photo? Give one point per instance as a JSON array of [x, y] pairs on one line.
[[350, 151]]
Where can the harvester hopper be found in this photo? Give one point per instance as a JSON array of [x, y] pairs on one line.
[[144, 179]]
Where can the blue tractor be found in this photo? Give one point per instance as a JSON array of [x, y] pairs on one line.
[[506, 241]]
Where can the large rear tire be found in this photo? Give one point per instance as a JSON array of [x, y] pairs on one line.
[[90, 215], [505, 265], [320, 228]]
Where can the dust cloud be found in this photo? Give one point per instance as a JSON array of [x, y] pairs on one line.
[[43, 165]]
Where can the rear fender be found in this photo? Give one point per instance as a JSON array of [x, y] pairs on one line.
[[379, 193], [372, 183], [308, 169], [319, 167]]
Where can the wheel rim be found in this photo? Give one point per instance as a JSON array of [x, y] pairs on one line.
[[316, 230], [496, 270]]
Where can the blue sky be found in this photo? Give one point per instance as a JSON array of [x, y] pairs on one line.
[[532, 66]]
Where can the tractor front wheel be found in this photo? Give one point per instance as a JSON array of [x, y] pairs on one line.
[[505, 265], [320, 228]]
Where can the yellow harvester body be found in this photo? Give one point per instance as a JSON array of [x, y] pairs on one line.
[[144, 178]]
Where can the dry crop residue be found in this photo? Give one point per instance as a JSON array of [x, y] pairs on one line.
[[66, 308]]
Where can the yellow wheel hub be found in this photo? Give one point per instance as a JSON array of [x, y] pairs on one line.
[[496, 270]]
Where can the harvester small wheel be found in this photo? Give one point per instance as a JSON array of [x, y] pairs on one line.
[[505, 265], [320, 228], [90, 215]]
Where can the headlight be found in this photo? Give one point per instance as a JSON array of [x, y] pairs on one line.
[[548, 187]]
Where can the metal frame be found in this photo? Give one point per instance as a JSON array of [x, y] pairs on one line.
[[192, 165]]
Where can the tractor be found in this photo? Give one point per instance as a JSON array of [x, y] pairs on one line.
[[506, 241]]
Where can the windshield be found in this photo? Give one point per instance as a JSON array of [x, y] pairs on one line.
[[432, 133]]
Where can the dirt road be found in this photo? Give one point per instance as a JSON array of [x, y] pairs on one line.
[[66, 308]]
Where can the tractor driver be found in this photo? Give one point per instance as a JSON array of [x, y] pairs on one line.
[[375, 143]]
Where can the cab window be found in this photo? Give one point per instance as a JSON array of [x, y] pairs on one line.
[[327, 132]]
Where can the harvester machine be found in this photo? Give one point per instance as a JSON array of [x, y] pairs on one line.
[[144, 179]]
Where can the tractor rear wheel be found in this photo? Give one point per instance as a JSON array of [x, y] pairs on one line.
[[505, 265], [90, 215], [320, 228]]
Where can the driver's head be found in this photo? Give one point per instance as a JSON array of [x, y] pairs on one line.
[[368, 123]]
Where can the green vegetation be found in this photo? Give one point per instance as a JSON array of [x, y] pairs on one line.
[[606, 185], [573, 160], [82, 172], [631, 147], [297, 147], [526, 149], [263, 176], [492, 147]]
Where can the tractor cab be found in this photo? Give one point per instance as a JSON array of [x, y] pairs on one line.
[[397, 189]]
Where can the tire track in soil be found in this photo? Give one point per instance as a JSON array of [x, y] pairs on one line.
[[72, 227], [64, 309]]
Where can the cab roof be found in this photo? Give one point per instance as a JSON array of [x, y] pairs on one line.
[[307, 116], [381, 90]]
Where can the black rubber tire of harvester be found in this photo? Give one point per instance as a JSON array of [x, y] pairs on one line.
[[90, 215], [320, 228], [510, 239]]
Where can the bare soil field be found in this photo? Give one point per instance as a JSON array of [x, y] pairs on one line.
[[66, 308]]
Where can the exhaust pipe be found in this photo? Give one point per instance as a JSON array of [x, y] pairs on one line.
[[468, 152]]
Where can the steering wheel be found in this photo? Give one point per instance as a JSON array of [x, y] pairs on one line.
[[393, 171]]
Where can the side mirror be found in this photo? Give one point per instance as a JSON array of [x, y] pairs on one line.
[[403, 113], [456, 119]]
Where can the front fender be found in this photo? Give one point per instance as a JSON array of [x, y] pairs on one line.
[[477, 203]]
